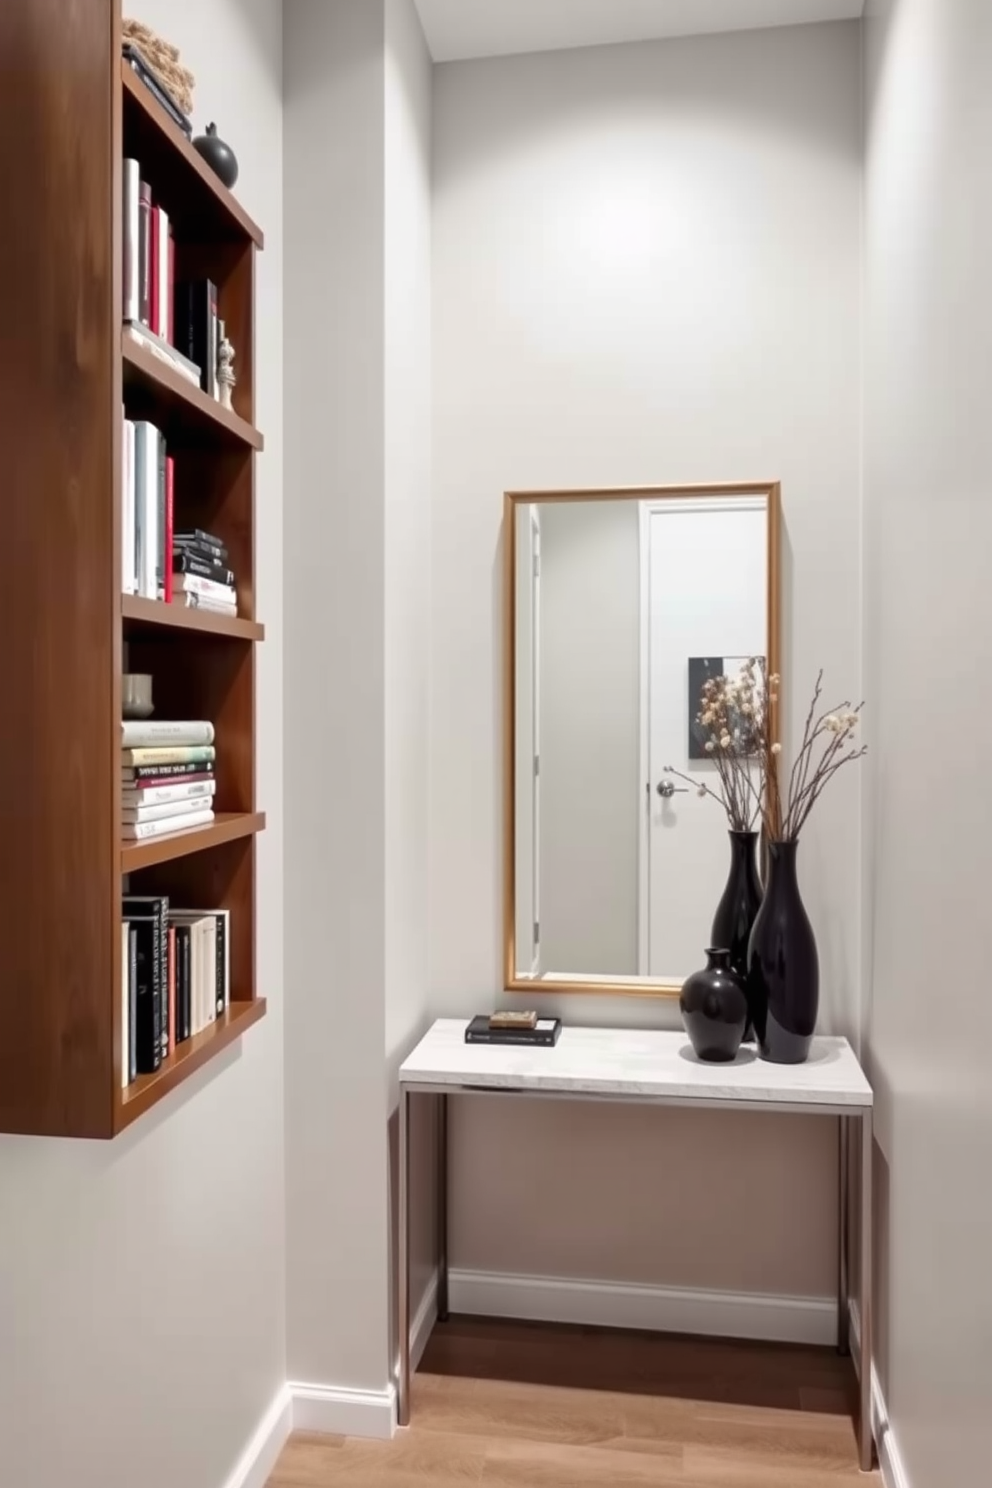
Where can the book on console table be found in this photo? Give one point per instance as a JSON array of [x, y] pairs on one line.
[[543, 1033]]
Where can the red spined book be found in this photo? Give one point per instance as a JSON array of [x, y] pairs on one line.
[[170, 466], [172, 989], [161, 245], [153, 283], [170, 334]]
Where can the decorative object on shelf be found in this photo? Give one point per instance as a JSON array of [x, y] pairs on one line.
[[715, 1009], [218, 155], [136, 695], [783, 966], [226, 379], [162, 58], [738, 908]]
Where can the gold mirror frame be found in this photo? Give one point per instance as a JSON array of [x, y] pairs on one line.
[[771, 490]]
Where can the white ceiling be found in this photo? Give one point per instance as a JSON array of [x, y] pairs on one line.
[[457, 29]]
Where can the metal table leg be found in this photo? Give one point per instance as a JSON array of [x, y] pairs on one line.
[[843, 1237], [442, 1207], [403, 1288], [866, 1440]]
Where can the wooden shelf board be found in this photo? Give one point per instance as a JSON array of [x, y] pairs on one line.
[[227, 826], [185, 405], [137, 613], [211, 197], [190, 1056]]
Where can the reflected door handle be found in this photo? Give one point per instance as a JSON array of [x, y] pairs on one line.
[[666, 789]]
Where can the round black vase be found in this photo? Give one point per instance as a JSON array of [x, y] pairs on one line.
[[738, 909], [218, 155], [714, 1009], [783, 978]]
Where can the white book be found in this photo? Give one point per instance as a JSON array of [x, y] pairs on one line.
[[125, 1002], [208, 588], [139, 831], [138, 732], [131, 181], [146, 450], [161, 272], [137, 331], [162, 795], [165, 811], [129, 579], [210, 971], [201, 602]]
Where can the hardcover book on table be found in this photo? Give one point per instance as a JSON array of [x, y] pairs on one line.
[[544, 1034]]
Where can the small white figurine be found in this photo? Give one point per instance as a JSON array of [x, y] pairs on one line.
[[225, 372]]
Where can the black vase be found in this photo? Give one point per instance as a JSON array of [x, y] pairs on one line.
[[714, 1009], [218, 155], [783, 978], [737, 910]]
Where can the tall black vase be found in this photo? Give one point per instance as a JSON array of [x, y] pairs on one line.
[[738, 909], [783, 978]]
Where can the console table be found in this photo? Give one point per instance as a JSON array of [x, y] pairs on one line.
[[643, 1068]]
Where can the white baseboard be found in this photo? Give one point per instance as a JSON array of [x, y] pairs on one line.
[[335, 1412], [257, 1461], [610, 1304], [894, 1474], [423, 1322]]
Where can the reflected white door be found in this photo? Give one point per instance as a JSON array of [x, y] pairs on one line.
[[704, 566]]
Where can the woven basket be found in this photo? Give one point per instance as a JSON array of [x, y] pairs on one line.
[[163, 59]]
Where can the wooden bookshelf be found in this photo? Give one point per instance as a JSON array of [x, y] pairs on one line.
[[71, 375]]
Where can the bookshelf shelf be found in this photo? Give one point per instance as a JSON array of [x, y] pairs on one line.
[[81, 388], [190, 1056], [139, 614], [182, 409], [200, 196], [227, 826]]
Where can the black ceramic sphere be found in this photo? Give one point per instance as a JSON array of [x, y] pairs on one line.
[[219, 156], [714, 1009]]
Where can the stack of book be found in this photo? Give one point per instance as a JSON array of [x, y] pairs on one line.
[[200, 576], [147, 481], [175, 978], [150, 296], [167, 777]]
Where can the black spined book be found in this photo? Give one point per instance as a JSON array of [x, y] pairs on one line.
[[544, 1034]]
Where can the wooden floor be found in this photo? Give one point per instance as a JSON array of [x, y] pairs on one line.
[[520, 1405]]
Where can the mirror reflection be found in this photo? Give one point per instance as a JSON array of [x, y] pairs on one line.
[[624, 605]]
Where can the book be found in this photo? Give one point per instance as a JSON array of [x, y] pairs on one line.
[[148, 1045], [131, 184], [161, 558], [156, 907], [146, 461], [170, 308], [156, 87], [170, 477], [141, 776], [164, 811], [169, 754], [183, 980], [125, 1003], [188, 583], [196, 328], [202, 925], [160, 272], [153, 280], [136, 732], [129, 568], [197, 538], [141, 831], [132, 1005], [171, 932], [201, 602], [144, 336], [187, 562], [145, 252], [544, 1034], [222, 918], [163, 795]]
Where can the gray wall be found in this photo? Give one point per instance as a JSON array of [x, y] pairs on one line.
[[590, 736], [142, 1282], [928, 643], [647, 268]]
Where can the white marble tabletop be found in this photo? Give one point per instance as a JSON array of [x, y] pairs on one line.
[[634, 1062]]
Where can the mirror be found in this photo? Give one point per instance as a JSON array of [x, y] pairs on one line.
[[619, 605]]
